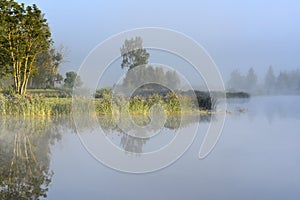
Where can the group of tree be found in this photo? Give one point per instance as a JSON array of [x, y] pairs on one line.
[[241, 82], [151, 74], [135, 57], [24, 35], [46, 72], [72, 80], [133, 54], [27, 56], [286, 82]]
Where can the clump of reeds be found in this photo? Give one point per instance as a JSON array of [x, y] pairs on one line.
[[38, 105], [35, 105], [172, 103]]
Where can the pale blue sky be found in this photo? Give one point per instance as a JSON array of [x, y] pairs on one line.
[[237, 34]]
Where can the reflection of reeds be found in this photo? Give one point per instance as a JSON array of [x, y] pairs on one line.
[[173, 121]]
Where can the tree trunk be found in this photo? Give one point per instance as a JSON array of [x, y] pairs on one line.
[[17, 76]]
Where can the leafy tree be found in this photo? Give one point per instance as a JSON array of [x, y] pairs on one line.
[[4, 60], [59, 78], [24, 34], [47, 65], [133, 54], [6, 80], [104, 93], [72, 80]]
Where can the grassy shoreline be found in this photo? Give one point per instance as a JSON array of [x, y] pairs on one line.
[[41, 104], [37, 105], [34, 106]]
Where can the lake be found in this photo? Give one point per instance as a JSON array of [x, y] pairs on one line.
[[256, 157]]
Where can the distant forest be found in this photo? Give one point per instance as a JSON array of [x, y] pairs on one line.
[[286, 82]]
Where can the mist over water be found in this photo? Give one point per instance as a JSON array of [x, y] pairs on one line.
[[139, 91], [255, 158]]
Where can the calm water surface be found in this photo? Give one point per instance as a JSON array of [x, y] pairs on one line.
[[257, 157]]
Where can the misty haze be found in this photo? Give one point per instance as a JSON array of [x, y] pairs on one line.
[[149, 100]]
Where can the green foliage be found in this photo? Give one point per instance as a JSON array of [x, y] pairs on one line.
[[52, 93], [172, 103], [104, 104], [133, 53], [39, 105], [72, 80], [3, 102], [138, 105], [46, 73], [20, 105], [6, 82], [103, 93], [24, 34]]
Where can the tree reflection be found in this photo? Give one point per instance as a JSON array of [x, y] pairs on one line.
[[25, 147], [25, 157], [134, 137], [132, 144]]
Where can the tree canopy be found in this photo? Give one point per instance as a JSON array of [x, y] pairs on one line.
[[24, 34], [133, 54], [72, 80], [46, 72]]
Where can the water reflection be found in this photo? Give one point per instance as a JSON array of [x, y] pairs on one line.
[[25, 148], [132, 139], [249, 155], [108, 123], [25, 156], [270, 107]]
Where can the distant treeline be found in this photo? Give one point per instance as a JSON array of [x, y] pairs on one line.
[[286, 82]]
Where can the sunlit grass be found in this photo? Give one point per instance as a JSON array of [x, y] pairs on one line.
[[38, 105], [34, 105]]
